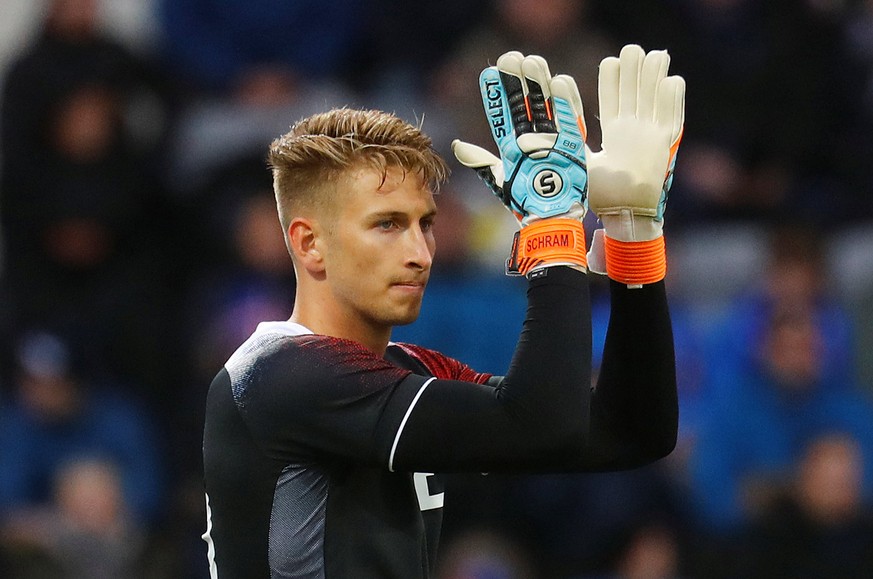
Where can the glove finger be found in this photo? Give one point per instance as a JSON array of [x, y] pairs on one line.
[[537, 145], [537, 77], [653, 72], [473, 156], [569, 116], [511, 75], [487, 166], [607, 88], [671, 107], [496, 103], [631, 62]]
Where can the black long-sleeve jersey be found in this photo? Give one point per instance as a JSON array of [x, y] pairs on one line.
[[320, 455]]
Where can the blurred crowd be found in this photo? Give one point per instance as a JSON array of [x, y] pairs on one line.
[[140, 246]]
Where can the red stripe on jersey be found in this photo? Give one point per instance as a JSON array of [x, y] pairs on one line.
[[442, 366]]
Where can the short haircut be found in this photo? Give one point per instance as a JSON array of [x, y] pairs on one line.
[[318, 150]]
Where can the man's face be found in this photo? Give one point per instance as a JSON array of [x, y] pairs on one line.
[[379, 249]]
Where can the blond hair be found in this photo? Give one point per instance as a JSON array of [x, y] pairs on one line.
[[319, 149]]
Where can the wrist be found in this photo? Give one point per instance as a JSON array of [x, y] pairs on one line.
[[547, 243], [635, 263], [622, 224]]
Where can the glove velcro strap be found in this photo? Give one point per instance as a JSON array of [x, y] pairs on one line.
[[555, 241], [636, 262]]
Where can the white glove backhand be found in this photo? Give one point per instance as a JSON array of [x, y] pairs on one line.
[[642, 112]]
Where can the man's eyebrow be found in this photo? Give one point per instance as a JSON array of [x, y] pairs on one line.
[[386, 214], [399, 214]]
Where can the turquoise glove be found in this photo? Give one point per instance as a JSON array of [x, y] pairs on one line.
[[536, 120]]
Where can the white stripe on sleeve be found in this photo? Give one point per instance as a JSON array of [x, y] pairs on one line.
[[403, 423]]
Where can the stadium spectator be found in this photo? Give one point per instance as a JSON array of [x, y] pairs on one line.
[[58, 417], [747, 154], [84, 532], [821, 527], [81, 123], [794, 278], [248, 70], [759, 427]]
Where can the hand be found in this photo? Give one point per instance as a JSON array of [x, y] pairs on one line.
[[642, 112], [536, 121]]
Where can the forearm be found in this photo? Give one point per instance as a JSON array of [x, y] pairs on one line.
[[537, 417], [634, 409]]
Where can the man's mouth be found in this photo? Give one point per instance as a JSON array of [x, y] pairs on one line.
[[412, 285]]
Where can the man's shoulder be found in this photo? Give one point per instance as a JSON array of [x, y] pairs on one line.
[[272, 343], [267, 333], [278, 351], [272, 340], [432, 363]]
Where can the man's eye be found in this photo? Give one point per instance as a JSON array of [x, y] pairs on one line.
[[386, 224], [427, 225]]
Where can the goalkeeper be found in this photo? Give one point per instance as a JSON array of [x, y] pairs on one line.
[[323, 437]]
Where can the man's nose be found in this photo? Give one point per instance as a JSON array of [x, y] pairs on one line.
[[420, 252]]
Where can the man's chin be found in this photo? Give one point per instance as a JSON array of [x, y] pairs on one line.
[[407, 317]]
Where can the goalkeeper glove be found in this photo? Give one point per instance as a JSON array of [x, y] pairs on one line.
[[536, 121], [642, 112]]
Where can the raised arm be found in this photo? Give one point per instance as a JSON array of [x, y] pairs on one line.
[[632, 417], [536, 418], [642, 113]]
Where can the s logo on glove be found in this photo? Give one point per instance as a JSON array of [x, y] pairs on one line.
[[548, 183], [536, 120]]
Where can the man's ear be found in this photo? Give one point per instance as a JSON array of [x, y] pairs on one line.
[[304, 242]]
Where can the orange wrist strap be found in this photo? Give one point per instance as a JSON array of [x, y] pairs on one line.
[[636, 262], [547, 241]]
